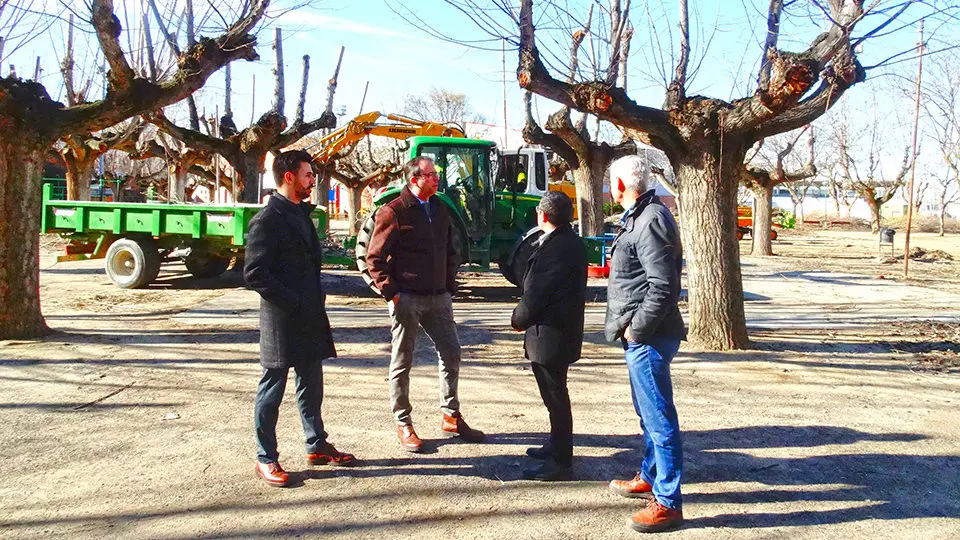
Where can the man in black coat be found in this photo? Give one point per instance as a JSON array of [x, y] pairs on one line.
[[551, 313], [283, 258]]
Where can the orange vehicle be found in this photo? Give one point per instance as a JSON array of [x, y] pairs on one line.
[[745, 223]]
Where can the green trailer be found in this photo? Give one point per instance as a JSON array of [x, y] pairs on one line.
[[136, 238]]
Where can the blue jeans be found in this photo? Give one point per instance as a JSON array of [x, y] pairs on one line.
[[648, 365], [266, 408]]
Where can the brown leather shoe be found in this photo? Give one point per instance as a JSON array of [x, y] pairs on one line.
[[328, 455], [456, 426], [408, 438], [632, 489], [273, 474], [655, 518]]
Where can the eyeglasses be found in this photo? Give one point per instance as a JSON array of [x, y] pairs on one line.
[[429, 176]]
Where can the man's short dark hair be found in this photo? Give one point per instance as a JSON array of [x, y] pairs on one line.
[[289, 162], [412, 167], [557, 208]]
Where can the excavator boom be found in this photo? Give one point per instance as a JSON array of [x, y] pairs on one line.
[[366, 124]]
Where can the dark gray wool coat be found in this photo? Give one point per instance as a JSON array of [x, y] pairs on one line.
[[283, 258]]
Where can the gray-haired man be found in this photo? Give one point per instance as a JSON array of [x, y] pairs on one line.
[[642, 313]]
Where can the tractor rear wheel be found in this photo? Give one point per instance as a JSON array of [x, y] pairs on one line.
[[516, 264]]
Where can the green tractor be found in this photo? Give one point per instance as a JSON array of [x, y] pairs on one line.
[[493, 198]]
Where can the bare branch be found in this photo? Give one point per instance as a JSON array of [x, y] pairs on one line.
[[770, 45], [279, 91], [302, 100], [676, 92]]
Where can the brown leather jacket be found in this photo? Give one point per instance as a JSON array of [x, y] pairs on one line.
[[410, 253]]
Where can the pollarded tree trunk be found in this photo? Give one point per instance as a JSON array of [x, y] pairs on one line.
[[323, 189], [589, 182], [21, 173], [874, 205], [762, 214], [708, 191], [353, 208], [248, 168], [79, 174], [176, 184]]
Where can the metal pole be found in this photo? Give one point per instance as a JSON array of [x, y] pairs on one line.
[[503, 58], [364, 99], [913, 166], [216, 157]]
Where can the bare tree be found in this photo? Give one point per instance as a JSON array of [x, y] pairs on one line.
[[441, 106], [32, 122], [373, 163], [942, 111], [762, 179], [798, 193], [866, 175]]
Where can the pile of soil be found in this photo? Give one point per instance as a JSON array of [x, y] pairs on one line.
[[923, 255]]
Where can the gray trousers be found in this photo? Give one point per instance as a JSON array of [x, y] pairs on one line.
[[435, 314]]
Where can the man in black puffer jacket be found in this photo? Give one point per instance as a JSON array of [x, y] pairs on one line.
[[642, 313]]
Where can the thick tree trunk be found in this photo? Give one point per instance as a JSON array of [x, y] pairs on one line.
[[762, 212], [715, 291], [248, 167], [353, 208], [78, 175], [21, 171], [874, 214], [589, 182], [176, 184], [323, 190]]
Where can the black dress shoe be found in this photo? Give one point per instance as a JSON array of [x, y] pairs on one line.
[[540, 452], [548, 471]]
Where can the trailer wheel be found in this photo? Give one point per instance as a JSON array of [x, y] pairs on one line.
[[204, 264], [133, 263], [739, 234], [363, 243], [773, 234]]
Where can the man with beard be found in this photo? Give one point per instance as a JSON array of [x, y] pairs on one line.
[[283, 264]]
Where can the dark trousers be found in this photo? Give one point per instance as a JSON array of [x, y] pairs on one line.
[[552, 381], [266, 408]]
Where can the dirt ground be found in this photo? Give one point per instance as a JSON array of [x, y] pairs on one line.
[[127, 422]]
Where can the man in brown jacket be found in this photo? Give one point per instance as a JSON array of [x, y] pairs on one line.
[[412, 259]]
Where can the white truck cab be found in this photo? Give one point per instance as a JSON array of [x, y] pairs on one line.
[[527, 167]]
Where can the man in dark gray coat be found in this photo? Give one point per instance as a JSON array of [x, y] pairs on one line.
[[642, 313], [551, 313], [283, 258]]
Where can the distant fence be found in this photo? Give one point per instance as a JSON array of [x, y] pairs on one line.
[[59, 187]]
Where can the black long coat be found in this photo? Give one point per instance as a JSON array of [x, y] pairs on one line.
[[283, 258], [554, 294]]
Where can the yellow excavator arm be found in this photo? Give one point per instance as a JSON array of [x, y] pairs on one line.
[[366, 124]]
